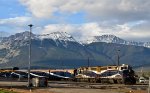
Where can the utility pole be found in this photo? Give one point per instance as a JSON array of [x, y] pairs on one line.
[[29, 65], [88, 62], [149, 86], [118, 59]]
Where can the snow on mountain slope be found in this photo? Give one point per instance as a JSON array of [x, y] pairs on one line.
[[63, 38], [24, 37], [114, 39], [105, 38], [58, 36]]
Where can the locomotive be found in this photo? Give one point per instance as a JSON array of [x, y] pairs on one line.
[[106, 74]]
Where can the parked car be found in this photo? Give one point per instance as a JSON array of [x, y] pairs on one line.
[[142, 80]]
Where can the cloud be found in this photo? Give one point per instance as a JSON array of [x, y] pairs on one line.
[[15, 25], [120, 11], [128, 19], [130, 31], [102, 10], [136, 32], [17, 21], [58, 27], [87, 30], [41, 8], [82, 31]]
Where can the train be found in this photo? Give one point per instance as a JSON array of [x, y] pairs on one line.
[[123, 74]]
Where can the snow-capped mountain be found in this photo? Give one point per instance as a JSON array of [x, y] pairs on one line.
[[19, 39], [13, 42], [57, 36], [24, 36], [58, 47], [22, 39], [104, 38], [60, 38], [114, 39], [63, 38]]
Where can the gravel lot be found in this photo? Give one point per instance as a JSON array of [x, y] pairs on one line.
[[71, 90], [62, 87]]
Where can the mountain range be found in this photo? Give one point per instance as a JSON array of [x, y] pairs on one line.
[[61, 50], [114, 39]]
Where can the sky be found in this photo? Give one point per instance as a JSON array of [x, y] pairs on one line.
[[127, 19]]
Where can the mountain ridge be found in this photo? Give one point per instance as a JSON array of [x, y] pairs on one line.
[[50, 52], [114, 39], [63, 36]]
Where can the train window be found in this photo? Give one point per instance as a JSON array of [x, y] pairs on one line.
[[94, 69], [109, 67], [103, 68], [124, 68], [15, 68]]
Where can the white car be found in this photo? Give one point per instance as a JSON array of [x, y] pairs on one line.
[[142, 80]]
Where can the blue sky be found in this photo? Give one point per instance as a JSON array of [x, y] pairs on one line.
[[11, 8], [128, 19]]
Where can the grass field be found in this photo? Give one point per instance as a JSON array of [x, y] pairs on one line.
[[6, 91]]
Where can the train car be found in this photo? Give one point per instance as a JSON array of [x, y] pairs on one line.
[[106, 74], [9, 69]]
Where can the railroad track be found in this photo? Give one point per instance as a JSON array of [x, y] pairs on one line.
[[79, 85], [63, 84]]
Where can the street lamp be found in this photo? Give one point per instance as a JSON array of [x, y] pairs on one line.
[[29, 82]]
